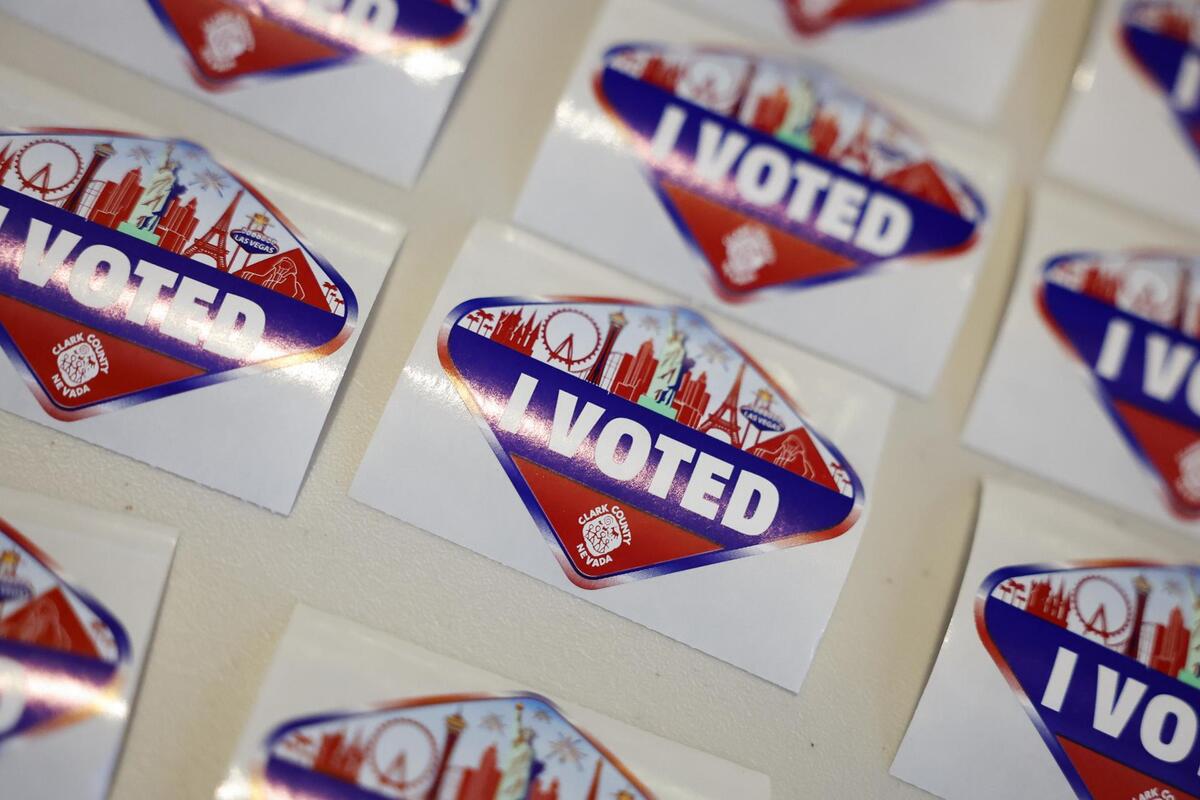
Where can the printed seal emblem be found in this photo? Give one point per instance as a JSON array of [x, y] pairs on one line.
[[135, 268], [79, 361], [640, 439]]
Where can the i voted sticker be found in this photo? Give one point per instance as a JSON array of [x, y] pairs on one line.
[[134, 268], [1133, 319], [230, 39], [640, 439], [466, 746], [1162, 37], [1101, 655], [816, 16], [62, 654], [776, 174]]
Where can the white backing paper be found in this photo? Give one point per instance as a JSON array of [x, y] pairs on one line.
[[588, 190], [1118, 135], [378, 113], [958, 55], [428, 464], [970, 738], [325, 663], [252, 436], [123, 563]]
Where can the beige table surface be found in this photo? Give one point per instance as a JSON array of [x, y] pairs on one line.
[[240, 569]]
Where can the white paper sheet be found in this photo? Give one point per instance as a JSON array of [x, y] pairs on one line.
[[958, 55], [378, 112], [429, 464], [327, 664], [121, 563], [1036, 407], [970, 737], [251, 436], [591, 191]]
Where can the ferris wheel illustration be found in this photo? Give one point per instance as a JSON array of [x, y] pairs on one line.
[[571, 337], [48, 167], [1103, 608], [403, 754]]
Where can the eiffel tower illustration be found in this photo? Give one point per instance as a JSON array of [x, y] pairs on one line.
[[725, 417], [857, 149], [214, 243]]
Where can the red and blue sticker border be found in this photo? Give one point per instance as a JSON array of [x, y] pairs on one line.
[[801, 28], [1093, 383], [64, 414], [993, 580], [642, 149], [262, 10], [260, 785], [120, 636], [534, 508], [1126, 47]]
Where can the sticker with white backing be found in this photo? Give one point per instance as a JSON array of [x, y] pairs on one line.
[[79, 593], [146, 287], [1133, 320], [370, 717], [811, 17], [1137, 102], [273, 61], [769, 189], [777, 174], [628, 449], [1092, 382], [230, 40], [521, 742], [135, 268], [1100, 655], [643, 461], [1073, 644], [878, 39]]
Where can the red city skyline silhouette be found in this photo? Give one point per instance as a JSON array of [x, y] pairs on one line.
[[628, 375], [1162, 647]]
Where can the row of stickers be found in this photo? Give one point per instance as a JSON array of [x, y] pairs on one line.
[[1073, 644], [345, 713], [164, 306]]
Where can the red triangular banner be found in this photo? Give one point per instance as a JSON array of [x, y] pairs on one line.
[[710, 223], [289, 274], [49, 621], [1162, 441], [1106, 779], [36, 333], [564, 502], [274, 46]]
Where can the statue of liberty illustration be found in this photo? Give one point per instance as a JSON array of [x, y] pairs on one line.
[[521, 766], [164, 186], [671, 366]]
